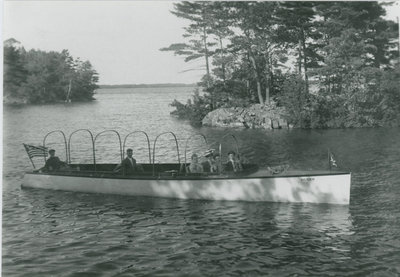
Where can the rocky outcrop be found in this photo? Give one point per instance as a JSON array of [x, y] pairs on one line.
[[10, 100], [256, 116]]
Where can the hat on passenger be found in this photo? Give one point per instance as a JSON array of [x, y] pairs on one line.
[[52, 150], [209, 153]]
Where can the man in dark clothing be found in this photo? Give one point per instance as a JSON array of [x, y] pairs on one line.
[[233, 163], [53, 163], [128, 165]]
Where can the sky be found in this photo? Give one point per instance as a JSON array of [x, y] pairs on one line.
[[120, 38]]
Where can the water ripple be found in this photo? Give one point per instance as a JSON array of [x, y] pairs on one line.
[[49, 233]]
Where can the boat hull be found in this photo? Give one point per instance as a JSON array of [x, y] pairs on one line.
[[319, 188]]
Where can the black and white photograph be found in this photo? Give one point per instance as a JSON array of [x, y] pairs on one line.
[[200, 138]]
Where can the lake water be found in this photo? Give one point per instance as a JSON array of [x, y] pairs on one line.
[[50, 233]]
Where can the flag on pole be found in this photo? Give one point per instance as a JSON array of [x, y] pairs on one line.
[[35, 151]]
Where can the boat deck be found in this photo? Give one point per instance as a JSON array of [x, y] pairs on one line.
[[294, 173], [176, 171]]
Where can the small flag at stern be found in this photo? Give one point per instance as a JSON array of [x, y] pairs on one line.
[[332, 160]]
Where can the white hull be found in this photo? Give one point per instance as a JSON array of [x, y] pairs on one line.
[[326, 188]]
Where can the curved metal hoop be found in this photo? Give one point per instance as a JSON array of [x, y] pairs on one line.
[[65, 142], [69, 145], [119, 139], [189, 138], [154, 149], [220, 146], [148, 142]]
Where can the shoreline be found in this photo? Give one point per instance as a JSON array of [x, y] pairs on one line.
[[22, 103], [161, 85], [270, 116]]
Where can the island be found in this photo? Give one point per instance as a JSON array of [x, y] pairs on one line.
[[38, 77], [291, 64]]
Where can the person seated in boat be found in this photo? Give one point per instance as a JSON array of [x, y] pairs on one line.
[[209, 165], [53, 163], [234, 164], [195, 166], [128, 166]]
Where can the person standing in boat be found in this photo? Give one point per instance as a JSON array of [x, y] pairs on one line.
[[128, 165], [233, 163], [209, 165], [194, 166]]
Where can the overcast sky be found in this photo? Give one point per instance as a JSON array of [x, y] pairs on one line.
[[120, 38]]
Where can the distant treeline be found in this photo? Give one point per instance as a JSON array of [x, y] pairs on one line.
[[37, 76], [166, 85], [329, 64]]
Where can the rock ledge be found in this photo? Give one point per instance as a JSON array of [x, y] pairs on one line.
[[255, 116]]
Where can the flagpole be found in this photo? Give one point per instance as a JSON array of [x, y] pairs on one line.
[[329, 159], [32, 162]]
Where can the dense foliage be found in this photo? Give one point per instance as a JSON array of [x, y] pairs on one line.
[[45, 77], [330, 64]]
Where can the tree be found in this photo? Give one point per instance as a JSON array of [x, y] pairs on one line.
[[220, 29], [365, 19], [36, 76], [199, 29], [344, 53], [257, 39], [84, 82], [14, 72], [298, 28]]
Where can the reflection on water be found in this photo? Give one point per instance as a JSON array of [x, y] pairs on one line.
[[111, 234], [49, 233]]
